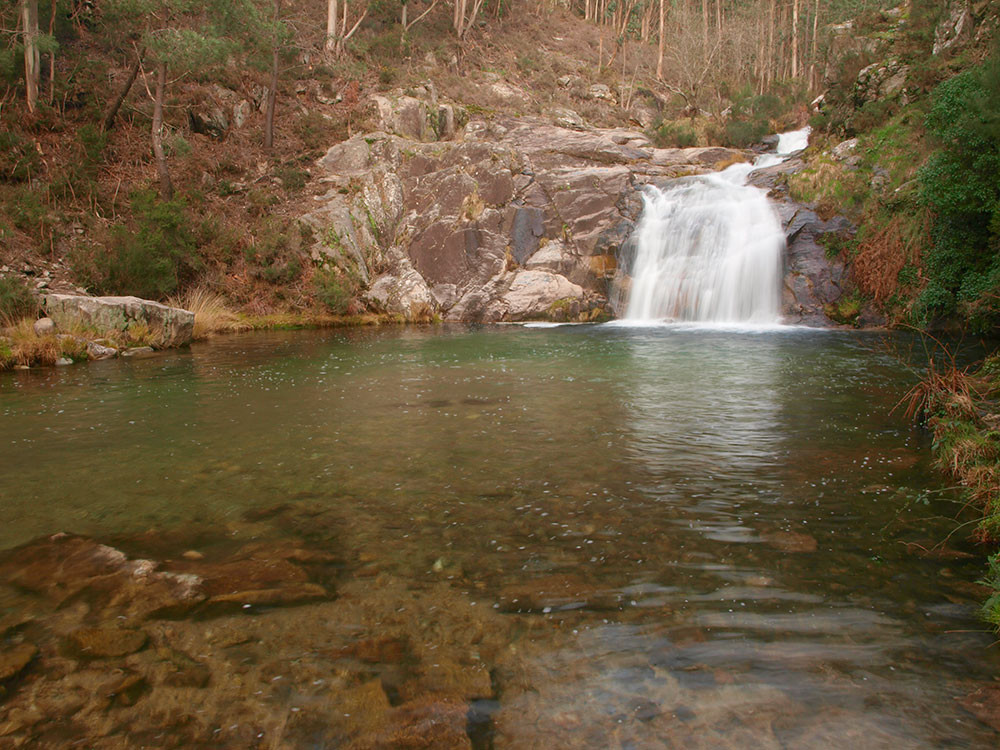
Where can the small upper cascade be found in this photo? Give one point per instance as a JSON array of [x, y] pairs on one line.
[[709, 248]]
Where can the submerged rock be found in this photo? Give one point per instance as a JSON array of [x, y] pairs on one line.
[[14, 660], [104, 642]]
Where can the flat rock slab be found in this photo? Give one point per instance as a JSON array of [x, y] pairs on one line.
[[172, 325]]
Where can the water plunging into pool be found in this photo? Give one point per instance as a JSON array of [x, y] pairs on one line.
[[709, 249]]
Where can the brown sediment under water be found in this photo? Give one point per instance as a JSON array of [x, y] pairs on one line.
[[577, 537]]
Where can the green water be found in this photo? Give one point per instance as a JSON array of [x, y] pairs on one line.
[[745, 502]]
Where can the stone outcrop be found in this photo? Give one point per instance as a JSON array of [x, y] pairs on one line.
[[171, 325], [954, 28], [516, 219]]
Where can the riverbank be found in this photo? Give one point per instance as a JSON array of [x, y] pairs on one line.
[[961, 409], [29, 341]]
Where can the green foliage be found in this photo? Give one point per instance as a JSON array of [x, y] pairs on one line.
[[991, 609], [19, 160], [666, 134], [334, 289], [28, 210], [960, 184], [150, 259], [275, 255], [749, 118], [16, 299]]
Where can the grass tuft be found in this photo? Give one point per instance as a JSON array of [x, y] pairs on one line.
[[212, 314]]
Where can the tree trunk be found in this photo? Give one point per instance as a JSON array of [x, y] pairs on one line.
[[704, 24], [770, 45], [272, 91], [659, 51], [32, 62], [109, 118], [331, 25], [795, 38], [812, 57], [166, 187], [52, 55]]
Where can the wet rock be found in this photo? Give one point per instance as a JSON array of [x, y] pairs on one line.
[[127, 689], [44, 327], [172, 325], [98, 351], [180, 670], [813, 281], [63, 361], [106, 642], [139, 352], [984, 704], [431, 723], [282, 596], [380, 650], [450, 678], [65, 567], [14, 660], [790, 541], [556, 592]]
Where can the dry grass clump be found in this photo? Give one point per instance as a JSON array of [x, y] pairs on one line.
[[20, 345], [880, 259], [211, 312]]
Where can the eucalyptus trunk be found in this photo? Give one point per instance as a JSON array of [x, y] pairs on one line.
[[166, 186]]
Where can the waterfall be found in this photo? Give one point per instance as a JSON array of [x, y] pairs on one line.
[[708, 249]]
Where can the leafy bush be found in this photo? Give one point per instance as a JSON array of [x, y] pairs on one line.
[[334, 289], [667, 134], [19, 160], [150, 259], [16, 300], [960, 184]]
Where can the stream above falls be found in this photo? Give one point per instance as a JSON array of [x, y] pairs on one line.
[[587, 536]]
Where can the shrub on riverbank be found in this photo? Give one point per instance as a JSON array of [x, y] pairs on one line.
[[16, 300], [961, 408]]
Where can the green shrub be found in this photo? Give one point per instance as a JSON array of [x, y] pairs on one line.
[[16, 300], [960, 184], [667, 134], [151, 258], [19, 161], [334, 289]]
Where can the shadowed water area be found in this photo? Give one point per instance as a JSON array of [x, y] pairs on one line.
[[572, 537]]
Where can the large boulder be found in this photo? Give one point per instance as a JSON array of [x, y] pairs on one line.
[[539, 294], [172, 325], [881, 80], [813, 281]]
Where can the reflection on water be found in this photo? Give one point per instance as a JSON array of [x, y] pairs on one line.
[[576, 537]]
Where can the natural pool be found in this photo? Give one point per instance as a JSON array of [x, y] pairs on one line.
[[573, 537]]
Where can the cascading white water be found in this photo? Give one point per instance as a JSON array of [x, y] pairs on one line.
[[708, 248]]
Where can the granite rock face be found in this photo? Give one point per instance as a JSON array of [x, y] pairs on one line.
[[172, 325], [515, 219]]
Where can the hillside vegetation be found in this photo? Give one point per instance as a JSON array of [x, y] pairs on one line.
[[162, 146]]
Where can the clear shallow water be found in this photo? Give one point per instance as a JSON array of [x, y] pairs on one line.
[[681, 537]]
